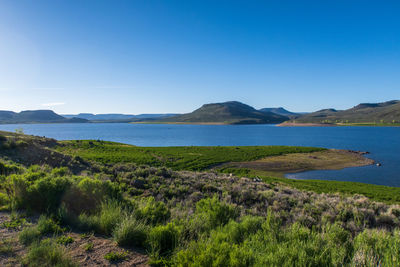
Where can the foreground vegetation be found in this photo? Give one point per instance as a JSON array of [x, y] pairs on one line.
[[183, 218]]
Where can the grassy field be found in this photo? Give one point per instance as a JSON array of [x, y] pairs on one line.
[[193, 158]]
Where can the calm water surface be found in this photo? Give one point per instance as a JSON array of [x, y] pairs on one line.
[[382, 142]]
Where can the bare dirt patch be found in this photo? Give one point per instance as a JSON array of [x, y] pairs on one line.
[[12, 252], [332, 159]]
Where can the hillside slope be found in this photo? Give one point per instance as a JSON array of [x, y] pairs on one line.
[[386, 112], [35, 116], [231, 112]]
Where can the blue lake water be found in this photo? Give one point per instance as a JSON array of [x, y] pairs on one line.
[[382, 142]]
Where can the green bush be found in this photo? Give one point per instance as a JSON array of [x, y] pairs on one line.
[[215, 212], [7, 169], [34, 192], [210, 213], [131, 232], [111, 214], [4, 200], [152, 212], [88, 194], [377, 248], [47, 254], [214, 253], [47, 225], [163, 239]]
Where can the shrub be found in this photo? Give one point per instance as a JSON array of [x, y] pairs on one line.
[[214, 253], [216, 212], [210, 213], [152, 212], [238, 232], [47, 254], [111, 214], [377, 248], [7, 169], [88, 194], [4, 200], [37, 193], [130, 232], [163, 239], [47, 225]]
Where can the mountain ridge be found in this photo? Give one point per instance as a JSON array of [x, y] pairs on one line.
[[230, 112], [374, 113], [35, 116]]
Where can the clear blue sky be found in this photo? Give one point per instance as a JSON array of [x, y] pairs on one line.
[[173, 56]]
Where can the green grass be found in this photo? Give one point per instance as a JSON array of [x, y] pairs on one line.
[[178, 158], [65, 240], [46, 253], [116, 256]]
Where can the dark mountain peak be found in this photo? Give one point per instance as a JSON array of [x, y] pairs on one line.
[[229, 104], [39, 115], [231, 112], [327, 110]]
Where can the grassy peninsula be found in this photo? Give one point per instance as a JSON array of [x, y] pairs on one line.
[[90, 203]]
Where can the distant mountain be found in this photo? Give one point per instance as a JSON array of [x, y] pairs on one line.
[[280, 111], [35, 116], [117, 116], [386, 112], [232, 112]]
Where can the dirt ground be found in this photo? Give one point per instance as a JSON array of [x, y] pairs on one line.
[[12, 252], [331, 159]]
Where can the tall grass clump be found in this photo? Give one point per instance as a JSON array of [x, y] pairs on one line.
[[47, 254], [163, 239], [111, 214], [131, 232], [45, 226]]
